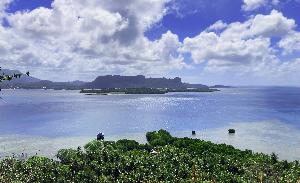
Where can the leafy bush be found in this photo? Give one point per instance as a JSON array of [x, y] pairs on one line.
[[127, 145], [159, 138]]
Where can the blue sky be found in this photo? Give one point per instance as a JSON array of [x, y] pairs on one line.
[[176, 33], [195, 16], [21, 5]]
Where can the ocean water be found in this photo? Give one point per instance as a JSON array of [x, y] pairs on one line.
[[266, 119]]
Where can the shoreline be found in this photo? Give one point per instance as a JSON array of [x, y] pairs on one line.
[[260, 137]]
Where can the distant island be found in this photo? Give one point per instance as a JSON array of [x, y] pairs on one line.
[[109, 84], [109, 91], [220, 86], [116, 84], [140, 81]]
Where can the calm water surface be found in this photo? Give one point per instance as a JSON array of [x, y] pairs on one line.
[[263, 116]]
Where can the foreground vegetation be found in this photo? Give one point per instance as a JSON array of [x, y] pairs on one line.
[[163, 159]]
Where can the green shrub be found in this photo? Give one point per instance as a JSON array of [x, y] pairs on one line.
[[159, 138], [127, 145]]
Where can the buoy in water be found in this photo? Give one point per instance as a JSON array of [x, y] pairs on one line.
[[193, 132], [231, 131]]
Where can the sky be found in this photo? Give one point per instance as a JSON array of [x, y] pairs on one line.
[[231, 42]]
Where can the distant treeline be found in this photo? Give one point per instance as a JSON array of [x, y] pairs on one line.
[[124, 90], [142, 90], [192, 90]]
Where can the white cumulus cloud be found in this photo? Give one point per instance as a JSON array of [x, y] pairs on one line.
[[274, 24], [89, 36], [250, 5], [3, 7], [219, 25], [290, 43], [245, 48]]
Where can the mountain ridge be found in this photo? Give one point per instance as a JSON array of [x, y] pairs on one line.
[[107, 81]]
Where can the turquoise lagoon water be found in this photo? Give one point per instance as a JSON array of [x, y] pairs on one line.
[[267, 119]]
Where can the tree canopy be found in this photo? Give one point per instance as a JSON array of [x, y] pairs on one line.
[[7, 77]]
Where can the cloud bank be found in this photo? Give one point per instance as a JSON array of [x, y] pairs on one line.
[[81, 39], [246, 50], [90, 36]]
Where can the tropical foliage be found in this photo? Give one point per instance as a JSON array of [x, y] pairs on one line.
[[163, 159], [7, 77]]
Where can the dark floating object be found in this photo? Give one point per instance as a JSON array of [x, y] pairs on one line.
[[193, 132], [231, 131], [100, 136]]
